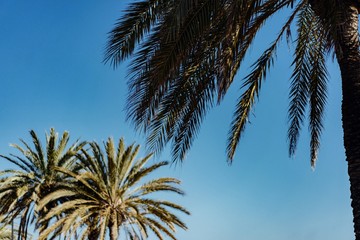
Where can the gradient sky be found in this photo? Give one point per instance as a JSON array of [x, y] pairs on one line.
[[52, 75]]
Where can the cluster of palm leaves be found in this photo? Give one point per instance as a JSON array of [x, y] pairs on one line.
[[187, 53], [85, 192]]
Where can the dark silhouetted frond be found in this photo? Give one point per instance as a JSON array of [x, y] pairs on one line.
[[308, 81], [252, 85]]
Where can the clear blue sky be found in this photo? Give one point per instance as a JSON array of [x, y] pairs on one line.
[[52, 76]]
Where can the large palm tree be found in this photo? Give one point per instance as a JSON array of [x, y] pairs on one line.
[[21, 190], [110, 193], [187, 53]]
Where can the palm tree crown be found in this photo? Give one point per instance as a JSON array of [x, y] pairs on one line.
[[107, 195], [189, 55], [21, 190]]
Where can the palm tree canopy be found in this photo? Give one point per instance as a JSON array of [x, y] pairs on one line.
[[111, 193], [20, 190], [186, 54]]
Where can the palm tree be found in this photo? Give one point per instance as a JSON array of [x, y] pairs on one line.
[[107, 194], [189, 51], [21, 190]]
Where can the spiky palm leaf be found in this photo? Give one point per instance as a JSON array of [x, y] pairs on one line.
[[309, 81], [21, 190], [110, 194]]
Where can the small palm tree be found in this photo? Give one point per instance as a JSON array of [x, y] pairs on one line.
[[106, 195], [21, 190]]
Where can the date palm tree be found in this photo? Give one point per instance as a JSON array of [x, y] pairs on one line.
[[111, 194], [21, 190], [187, 53]]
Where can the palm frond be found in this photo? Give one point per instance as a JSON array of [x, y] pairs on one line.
[[318, 93], [299, 87], [308, 81], [131, 28], [253, 84], [21, 163], [39, 160], [186, 102]]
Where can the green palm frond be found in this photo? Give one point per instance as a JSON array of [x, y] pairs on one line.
[[179, 111], [308, 81], [20, 162], [318, 94], [252, 85], [191, 118], [137, 176], [131, 28], [299, 88]]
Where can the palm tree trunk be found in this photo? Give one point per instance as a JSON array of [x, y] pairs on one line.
[[348, 56], [114, 229]]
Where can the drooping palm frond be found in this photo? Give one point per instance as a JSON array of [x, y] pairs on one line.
[[110, 195], [308, 81], [299, 87], [252, 85], [318, 93]]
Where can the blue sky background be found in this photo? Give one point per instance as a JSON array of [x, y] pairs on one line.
[[52, 75]]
